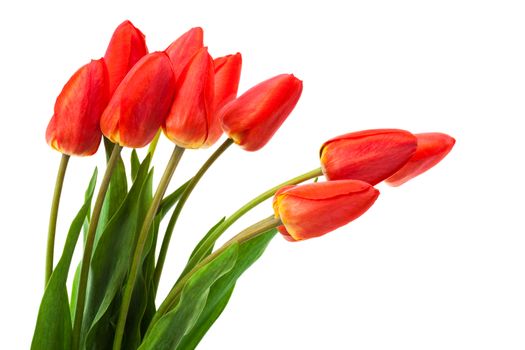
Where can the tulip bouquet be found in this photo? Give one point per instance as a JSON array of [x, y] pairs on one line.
[[129, 98]]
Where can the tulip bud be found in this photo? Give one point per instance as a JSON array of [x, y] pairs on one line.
[[253, 118], [370, 155], [141, 102], [127, 47], [431, 149], [192, 122], [182, 50], [74, 128], [227, 76], [312, 210]]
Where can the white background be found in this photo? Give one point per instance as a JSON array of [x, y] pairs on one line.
[[438, 263]]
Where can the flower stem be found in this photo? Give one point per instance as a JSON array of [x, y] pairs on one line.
[[249, 233], [210, 240], [141, 242], [88, 245], [54, 215], [180, 204]]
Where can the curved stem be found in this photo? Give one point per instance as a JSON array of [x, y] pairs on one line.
[[141, 242], [180, 204], [249, 233], [210, 240], [88, 246], [53, 216]]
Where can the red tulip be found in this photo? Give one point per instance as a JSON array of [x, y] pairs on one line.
[[127, 47], [431, 149], [182, 50], [191, 122], [140, 103], [74, 128], [370, 155], [315, 209], [227, 76], [253, 118]]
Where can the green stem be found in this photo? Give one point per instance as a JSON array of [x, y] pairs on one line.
[[88, 246], [180, 204], [141, 242], [205, 247], [249, 233], [54, 215]]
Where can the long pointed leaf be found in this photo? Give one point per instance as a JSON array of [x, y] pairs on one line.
[[53, 327]]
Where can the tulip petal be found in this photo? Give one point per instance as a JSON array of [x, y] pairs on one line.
[[315, 209], [126, 48], [370, 155], [254, 117], [227, 76], [431, 149], [184, 48], [191, 116], [74, 128], [141, 102]]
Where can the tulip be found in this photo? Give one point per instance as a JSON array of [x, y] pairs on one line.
[[315, 209], [192, 122], [370, 155], [227, 76], [127, 47], [431, 149], [184, 48], [253, 118], [141, 102], [74, 128]]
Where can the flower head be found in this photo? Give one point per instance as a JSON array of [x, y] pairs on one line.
[[315, 209], [74, 128], [254, 117], [370, 155], [141, 102]]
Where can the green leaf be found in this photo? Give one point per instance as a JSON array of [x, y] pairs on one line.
[[53, 327], [189, 267], [221, 290], [111, 261], [167, 332], [117, 191], [135, 164]]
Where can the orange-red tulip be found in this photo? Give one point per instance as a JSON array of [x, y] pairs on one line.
[[315, 209], [227, 76], [254, 117], [74, 128], [127, 47], [431, 149], [141, 102], [182, 50], [192, 122], [370, 155]]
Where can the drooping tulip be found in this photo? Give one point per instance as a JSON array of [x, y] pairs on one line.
[[431, 149], [254, 117], [184, 48], [141, 102], [370, 155], [126, 47], [74, 128], [192, 122], [315, 209], [227, 76]]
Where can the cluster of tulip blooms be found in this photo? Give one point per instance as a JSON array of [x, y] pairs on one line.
[[129, 97]]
